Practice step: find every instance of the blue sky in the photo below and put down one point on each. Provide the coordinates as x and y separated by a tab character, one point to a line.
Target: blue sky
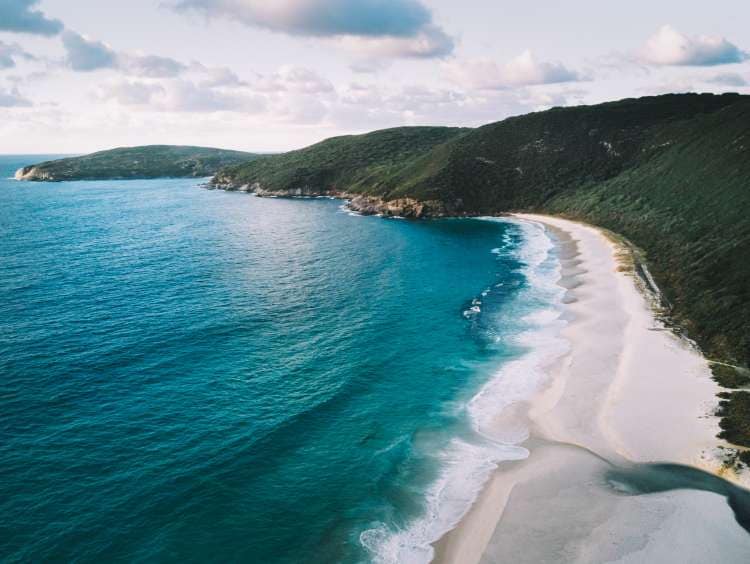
266	75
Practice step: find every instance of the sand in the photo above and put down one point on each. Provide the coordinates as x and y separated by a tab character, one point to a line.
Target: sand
628	393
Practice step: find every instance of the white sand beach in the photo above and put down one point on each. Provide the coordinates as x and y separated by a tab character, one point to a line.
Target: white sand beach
628	391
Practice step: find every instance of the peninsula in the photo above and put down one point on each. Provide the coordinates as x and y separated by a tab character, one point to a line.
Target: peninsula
151	161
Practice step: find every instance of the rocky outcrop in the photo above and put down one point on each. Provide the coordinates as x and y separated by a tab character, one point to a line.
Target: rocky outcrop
406	207
33	173
224	182
302	192
366	205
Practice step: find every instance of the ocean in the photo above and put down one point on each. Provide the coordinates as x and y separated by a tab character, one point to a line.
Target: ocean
189	375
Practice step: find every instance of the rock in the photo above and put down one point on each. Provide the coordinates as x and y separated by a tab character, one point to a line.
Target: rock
405	207
366	205
32	173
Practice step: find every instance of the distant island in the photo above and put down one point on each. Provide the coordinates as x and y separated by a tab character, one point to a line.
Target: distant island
669	173
151	161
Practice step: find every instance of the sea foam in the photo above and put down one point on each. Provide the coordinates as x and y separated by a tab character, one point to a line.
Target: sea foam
531	323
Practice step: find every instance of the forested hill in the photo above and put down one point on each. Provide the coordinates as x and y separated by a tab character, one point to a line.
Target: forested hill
351	163
513	164
150	161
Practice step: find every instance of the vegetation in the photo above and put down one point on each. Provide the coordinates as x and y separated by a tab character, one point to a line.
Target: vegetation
350	163
734	410
670	173
730	377
150	161
686	205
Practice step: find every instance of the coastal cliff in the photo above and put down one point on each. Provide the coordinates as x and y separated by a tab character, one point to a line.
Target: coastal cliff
410	208
34	173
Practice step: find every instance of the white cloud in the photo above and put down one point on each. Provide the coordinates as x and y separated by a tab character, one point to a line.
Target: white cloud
542	99
670	47
186	96
220	77
128	93
290	78
371	106
291	92
298	97
524	70
179	95
300	109
673	85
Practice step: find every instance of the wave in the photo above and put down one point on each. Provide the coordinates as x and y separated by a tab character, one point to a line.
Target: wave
531	322
465	468
344	208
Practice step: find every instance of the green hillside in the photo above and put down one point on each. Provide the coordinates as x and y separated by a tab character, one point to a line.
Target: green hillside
670	173
151	161
686	204
348	163
524	161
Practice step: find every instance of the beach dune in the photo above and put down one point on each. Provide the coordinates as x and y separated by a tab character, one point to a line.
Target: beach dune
624	462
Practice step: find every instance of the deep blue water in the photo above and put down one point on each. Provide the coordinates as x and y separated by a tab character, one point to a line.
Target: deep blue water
194	375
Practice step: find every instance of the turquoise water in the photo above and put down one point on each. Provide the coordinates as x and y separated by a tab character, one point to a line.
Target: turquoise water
194	375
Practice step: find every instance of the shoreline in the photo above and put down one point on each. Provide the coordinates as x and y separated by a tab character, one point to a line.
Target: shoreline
629	393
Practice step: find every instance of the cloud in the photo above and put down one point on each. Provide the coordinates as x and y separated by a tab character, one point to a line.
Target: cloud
290	78
430	42
301	110
292	94
220	77
12	99
9	52
130	93
729	79
670	47
537	100
84	54
373	18
150	66
20	16
374	28
524	70
365	107
186	96
675	85
87	54
180	95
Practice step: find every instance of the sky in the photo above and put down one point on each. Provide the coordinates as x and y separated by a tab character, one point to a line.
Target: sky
272	75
